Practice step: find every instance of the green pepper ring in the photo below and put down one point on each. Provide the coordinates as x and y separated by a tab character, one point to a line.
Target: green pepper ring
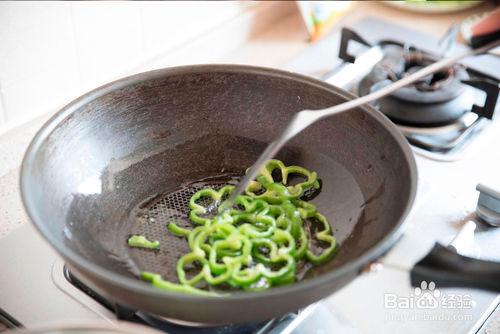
266	179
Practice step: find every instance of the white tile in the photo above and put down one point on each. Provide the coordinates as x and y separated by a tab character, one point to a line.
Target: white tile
43	91
168	25
67	49
38	65
243	33
108	39
266	46
34	36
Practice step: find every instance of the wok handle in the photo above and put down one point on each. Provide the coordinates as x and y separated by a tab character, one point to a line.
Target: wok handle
446	268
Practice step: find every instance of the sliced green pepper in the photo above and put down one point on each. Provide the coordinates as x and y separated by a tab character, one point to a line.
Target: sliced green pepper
198	210
256	243
141	241
326	236
157	281
177	230
275	190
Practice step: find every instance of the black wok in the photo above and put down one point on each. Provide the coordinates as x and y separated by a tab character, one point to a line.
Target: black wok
100	168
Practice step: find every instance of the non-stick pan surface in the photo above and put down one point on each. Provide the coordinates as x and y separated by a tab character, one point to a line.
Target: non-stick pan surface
124	158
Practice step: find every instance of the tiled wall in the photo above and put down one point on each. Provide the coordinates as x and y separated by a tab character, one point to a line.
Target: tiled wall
51	52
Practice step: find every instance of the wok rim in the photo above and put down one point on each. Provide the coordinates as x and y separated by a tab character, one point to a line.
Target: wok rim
133	284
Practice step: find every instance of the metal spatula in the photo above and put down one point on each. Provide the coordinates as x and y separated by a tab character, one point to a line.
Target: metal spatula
305	118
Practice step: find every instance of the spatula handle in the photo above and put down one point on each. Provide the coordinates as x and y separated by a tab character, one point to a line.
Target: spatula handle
481	40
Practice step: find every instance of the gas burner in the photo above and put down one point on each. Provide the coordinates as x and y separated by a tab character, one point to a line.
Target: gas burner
273	326
436	100
440	114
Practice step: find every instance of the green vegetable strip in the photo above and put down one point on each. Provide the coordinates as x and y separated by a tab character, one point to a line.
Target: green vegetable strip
141	241
158	282
255	244
177	230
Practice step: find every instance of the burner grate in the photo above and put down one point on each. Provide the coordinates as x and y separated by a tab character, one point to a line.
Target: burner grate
273	326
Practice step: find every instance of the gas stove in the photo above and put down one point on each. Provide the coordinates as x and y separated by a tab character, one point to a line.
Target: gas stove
440	115
43	291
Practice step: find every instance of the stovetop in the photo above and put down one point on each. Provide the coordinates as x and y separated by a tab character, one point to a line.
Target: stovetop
441	113
441	116
39	293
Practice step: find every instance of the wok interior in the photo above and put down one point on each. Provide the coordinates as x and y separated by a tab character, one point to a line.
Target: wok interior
153	134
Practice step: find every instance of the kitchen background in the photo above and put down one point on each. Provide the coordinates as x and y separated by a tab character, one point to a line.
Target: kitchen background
52	52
